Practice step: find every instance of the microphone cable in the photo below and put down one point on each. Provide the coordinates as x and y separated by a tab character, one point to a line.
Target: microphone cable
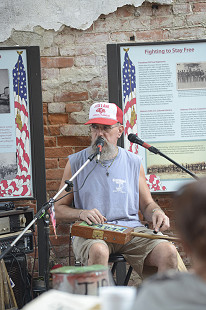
80	186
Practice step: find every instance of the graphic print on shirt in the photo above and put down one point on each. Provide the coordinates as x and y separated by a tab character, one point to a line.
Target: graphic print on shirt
119	186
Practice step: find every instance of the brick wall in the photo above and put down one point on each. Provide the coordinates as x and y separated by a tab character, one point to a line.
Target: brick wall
74	75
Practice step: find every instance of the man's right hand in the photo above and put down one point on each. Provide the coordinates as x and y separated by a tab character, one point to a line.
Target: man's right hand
92	216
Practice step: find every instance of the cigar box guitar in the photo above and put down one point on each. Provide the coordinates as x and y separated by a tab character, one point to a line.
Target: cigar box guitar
107	232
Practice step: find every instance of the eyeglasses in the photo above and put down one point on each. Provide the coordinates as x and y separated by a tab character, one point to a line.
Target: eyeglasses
105	128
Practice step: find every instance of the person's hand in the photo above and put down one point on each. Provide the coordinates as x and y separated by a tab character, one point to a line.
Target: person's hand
92	216
160	220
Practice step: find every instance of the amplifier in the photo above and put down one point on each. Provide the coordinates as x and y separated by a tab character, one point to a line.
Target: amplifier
15	220
23	246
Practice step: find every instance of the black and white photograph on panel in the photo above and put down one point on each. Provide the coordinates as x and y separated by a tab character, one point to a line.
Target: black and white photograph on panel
191	75
4	91
8	166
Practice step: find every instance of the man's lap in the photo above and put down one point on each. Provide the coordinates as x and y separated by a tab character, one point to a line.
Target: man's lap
135	251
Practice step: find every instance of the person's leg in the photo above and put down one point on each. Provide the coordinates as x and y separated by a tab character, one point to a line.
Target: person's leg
90	251
163	256
138	251
98	254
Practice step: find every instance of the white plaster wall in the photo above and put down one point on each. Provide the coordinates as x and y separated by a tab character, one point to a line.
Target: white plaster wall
23	15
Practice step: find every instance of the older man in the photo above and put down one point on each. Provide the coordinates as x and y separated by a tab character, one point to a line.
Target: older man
113	191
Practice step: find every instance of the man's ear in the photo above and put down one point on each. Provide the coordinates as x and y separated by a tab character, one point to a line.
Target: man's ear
120	130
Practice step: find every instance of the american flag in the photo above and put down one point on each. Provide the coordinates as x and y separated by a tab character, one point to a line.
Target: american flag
154	183
21	184
129	101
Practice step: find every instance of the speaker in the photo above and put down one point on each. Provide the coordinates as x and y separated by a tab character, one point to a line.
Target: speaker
17	270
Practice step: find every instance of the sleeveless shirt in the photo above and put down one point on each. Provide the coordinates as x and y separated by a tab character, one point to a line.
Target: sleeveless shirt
116	196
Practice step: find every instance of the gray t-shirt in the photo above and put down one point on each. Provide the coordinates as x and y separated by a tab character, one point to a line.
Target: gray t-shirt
116	196
172	291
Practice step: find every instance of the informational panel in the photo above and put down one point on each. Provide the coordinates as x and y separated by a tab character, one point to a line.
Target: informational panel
15	134
22	158
162	90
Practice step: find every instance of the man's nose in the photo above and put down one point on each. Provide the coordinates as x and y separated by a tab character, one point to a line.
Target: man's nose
100	131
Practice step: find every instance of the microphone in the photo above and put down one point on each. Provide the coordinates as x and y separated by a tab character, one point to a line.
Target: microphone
135	139
99	144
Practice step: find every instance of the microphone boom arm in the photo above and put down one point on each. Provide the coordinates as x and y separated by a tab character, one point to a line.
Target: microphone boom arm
135	139
178	165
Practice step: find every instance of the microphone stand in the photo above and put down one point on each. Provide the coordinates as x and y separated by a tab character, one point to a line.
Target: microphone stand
41	213
156	151
135	139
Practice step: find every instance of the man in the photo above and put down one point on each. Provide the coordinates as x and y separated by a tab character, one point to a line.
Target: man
182	290
113	190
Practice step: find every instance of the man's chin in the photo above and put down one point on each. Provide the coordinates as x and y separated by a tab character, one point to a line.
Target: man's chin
109	151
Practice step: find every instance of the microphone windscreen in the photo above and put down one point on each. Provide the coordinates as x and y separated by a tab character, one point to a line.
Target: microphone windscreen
132	137
100	141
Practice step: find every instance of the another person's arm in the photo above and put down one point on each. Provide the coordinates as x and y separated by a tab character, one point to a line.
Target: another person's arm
66	213
150	210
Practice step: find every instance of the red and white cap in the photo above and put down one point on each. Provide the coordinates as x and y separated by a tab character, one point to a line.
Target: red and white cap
105	113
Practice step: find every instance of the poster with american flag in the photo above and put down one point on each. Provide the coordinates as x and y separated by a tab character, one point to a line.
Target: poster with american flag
21	185
130	115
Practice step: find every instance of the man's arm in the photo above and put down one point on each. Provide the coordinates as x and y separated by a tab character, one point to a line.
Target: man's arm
150	210
63	207
66	213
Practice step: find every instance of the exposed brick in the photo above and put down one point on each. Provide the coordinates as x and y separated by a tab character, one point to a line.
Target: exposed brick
51	163
45	110
45	119
78	149
56	107
181	9
62	251
72	120
187	33
199	7
58	152
54	130
161	22
121	36
88	60
71	130
49	73
61	240
74	141
58	119
50	51
162	10
52	185
63	162
54	174
89	49
125	11
152	35
63	38
74	107
63	229
57	62
71	96
46	131
84	38
49	141
47	96
198	19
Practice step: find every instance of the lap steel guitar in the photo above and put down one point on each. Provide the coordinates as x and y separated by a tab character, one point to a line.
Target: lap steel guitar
107	232
112	233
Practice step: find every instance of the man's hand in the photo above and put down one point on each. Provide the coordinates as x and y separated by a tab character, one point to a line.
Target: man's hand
160	221
92	216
